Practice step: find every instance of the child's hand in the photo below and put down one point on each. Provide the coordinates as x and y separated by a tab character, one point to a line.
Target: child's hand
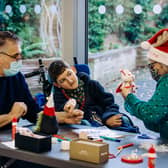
114	121
70	105
73	118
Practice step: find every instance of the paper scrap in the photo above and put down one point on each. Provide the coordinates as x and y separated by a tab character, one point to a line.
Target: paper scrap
10	144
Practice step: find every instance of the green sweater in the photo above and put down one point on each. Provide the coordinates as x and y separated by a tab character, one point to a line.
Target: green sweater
153	113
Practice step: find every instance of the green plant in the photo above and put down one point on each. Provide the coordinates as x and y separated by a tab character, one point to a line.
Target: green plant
17	20
135	27
31	47
116	46
25	25
96	26
33	50
3	16
129	27
162	20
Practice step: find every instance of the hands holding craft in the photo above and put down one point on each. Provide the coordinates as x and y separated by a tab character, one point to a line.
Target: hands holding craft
74	116
127	85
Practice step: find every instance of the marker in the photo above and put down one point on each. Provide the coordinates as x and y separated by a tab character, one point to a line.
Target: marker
144	136
125	146
111	139
61	138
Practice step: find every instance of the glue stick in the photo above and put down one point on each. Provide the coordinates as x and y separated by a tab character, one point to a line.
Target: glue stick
151	157
14	125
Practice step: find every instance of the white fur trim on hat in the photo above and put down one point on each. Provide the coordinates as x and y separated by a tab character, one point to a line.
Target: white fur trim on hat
145	45
151	155
157	55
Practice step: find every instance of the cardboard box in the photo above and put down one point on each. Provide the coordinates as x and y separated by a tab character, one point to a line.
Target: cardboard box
88	150
33	144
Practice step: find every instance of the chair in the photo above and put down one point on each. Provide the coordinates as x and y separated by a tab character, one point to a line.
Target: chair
82	68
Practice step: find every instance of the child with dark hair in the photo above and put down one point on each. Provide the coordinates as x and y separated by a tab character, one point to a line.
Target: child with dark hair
75	91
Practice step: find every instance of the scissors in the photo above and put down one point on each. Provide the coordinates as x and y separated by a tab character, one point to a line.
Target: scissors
120	148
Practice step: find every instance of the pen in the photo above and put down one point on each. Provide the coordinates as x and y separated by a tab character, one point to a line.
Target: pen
111	139
61	138
125	146
144	136
58	136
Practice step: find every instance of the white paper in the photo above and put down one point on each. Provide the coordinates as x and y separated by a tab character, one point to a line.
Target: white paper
10	144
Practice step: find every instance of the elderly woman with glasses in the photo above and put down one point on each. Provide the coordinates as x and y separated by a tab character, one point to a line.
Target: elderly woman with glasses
154	112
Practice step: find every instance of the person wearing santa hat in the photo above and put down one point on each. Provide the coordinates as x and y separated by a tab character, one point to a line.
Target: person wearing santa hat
154	113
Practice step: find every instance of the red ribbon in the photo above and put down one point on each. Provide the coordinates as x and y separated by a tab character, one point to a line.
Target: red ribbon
49	111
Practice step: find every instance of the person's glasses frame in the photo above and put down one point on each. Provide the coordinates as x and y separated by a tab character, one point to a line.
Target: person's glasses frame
14	56
151	64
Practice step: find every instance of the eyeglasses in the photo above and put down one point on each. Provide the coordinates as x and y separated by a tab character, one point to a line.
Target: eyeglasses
15	56
150	65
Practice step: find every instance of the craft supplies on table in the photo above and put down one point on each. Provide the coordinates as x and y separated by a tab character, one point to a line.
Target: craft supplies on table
129	159
120	148
14	125
88	150
111	139
61	138
133	158
65	145
36	144
96	132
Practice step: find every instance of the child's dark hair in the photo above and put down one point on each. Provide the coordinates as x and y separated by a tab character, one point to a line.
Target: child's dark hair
56	68
4	35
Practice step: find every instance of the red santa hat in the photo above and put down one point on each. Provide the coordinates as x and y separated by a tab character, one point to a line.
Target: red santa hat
158	46
49	109
47	122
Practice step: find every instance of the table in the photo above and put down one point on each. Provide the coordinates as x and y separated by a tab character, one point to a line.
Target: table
60	159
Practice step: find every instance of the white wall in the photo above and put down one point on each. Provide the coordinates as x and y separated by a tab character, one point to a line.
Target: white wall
106	66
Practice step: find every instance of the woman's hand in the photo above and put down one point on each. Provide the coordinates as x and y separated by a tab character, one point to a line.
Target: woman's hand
126	89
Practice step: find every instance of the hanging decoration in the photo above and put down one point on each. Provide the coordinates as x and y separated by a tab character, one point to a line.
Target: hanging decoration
138	9
157	9
37	9
22	9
